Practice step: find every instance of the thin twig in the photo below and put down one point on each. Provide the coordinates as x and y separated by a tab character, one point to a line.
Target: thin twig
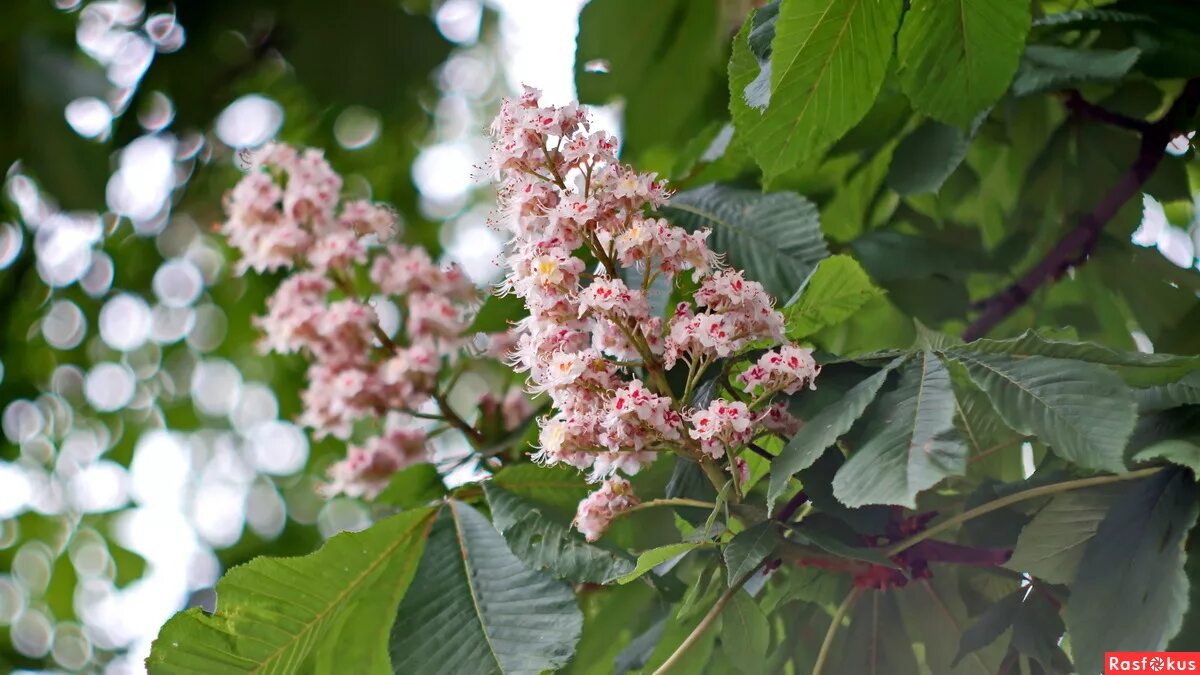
1008	500
827	643
673	501
1075	102
1074	248
704	624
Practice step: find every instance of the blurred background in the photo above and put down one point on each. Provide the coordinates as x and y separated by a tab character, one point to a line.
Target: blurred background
146	445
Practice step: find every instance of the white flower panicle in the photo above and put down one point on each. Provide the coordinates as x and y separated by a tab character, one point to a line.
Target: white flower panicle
591	342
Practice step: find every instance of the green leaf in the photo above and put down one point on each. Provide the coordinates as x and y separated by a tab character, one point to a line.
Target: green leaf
776	238
496	314
1136	367
544	543
1049	67
957	57
1163	397
823	430
834	292
1051	545
936	616
663	59
459	615
558	487
910	443
876	641
648	560
926	158
413	486
1133	569
272	613
745	634
749	548
1179	452
828	61
990	625
1083	411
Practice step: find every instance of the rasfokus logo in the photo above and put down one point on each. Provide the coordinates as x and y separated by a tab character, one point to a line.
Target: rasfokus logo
1151	662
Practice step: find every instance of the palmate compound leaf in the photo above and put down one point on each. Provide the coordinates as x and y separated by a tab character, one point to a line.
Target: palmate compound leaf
1083	411
910	443
475	608
776	237
1133	570
1051	545
749	548
542	542
274	613
823	430
957	57
828	61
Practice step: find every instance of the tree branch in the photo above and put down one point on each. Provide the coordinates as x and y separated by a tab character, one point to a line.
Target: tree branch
1074	248
1075	102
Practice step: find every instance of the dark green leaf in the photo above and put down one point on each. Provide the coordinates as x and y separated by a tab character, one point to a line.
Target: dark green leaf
1162	397
1133	569
1037	629
1049	67
823	429
544	543
749	548
745	634
834	291
1136	367
1051	545
990	625
936	617
272	613
927	157
876	640
813	98
776	238
1083	411
459	618
958	58
910	443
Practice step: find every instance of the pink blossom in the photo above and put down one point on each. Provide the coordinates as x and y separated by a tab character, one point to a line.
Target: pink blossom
597	511
369	467
787	370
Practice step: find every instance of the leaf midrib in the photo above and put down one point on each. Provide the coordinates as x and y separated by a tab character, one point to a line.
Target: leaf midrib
346	591
471	590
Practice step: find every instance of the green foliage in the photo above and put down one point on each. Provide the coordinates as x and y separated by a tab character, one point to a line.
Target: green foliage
745	634
456	618
1133	568
748	549
775	238
274	614
957	58
648	560
837	288
1052	544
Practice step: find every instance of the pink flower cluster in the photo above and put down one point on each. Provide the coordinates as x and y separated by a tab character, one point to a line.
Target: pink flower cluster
591	341
286	213
597	511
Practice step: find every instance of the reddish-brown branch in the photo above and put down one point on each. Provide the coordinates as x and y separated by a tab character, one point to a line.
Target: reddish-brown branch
1074	248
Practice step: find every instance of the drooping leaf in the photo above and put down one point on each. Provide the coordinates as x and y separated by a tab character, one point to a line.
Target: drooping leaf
875	641
1162	397
936	616
1133	569
910	443
828	61
1083	411
1050	67
745	634
823	430
613	618
834	291
544	543
926	158
648	560
1137	368
1037	630
1051	545
749	548
1181	452
958	57
458	616
990	625
776	238
273	613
